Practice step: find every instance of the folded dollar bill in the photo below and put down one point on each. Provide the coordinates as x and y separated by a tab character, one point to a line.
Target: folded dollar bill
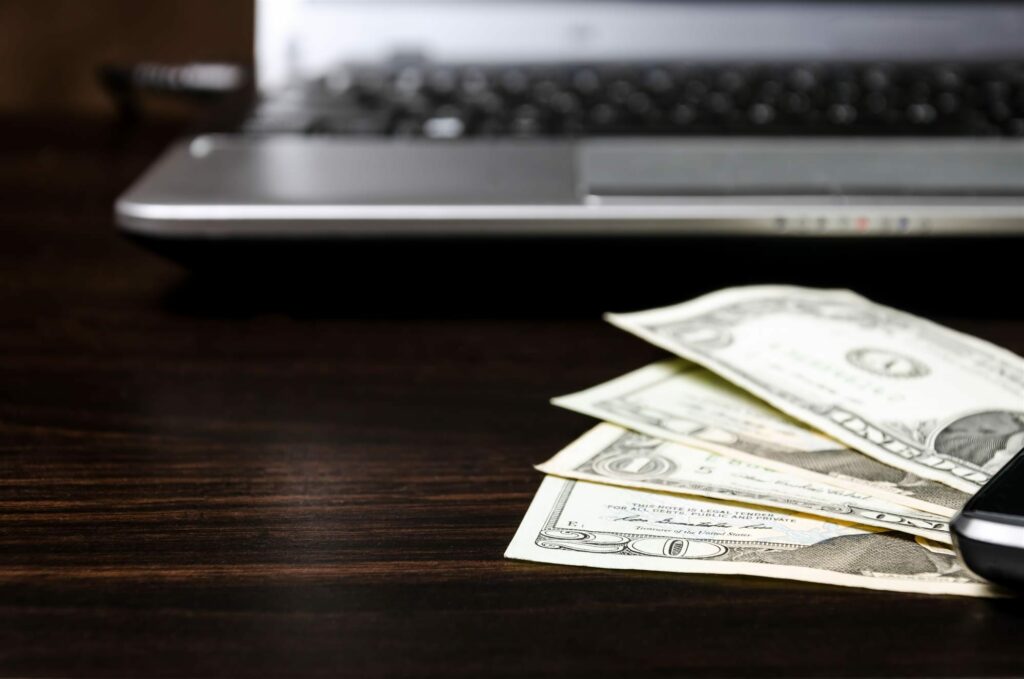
588	524
611	454
679	401
908	392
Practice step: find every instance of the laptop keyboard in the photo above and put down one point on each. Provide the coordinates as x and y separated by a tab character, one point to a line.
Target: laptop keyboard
448	102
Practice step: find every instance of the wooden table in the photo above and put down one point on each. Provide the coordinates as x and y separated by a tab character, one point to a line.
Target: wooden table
193	483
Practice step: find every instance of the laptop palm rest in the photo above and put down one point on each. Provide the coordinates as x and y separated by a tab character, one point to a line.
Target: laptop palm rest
793	167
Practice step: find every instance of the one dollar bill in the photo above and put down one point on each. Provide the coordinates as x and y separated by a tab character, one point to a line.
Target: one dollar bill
680	401
611	454
588	524
903	390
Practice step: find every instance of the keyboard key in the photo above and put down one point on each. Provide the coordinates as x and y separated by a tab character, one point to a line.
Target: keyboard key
683	115
658	81
446	127
921	114
761	114
842	114
586	81
603	115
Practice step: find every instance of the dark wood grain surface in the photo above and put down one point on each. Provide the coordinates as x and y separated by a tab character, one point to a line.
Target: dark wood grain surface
195	484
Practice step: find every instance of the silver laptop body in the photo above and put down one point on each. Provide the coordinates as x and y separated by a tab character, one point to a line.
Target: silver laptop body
292	185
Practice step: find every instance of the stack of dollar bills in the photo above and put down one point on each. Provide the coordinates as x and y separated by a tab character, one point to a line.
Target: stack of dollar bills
804	434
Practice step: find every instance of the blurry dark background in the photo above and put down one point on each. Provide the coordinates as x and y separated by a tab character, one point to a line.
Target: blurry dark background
50	49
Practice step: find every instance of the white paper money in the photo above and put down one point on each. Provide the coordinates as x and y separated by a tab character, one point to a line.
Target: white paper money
611	454
586	524
903	390
683	402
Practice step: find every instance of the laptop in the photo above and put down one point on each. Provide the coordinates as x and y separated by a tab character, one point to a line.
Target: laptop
425	119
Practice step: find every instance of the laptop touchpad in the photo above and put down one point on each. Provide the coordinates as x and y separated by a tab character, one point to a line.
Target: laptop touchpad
877	167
